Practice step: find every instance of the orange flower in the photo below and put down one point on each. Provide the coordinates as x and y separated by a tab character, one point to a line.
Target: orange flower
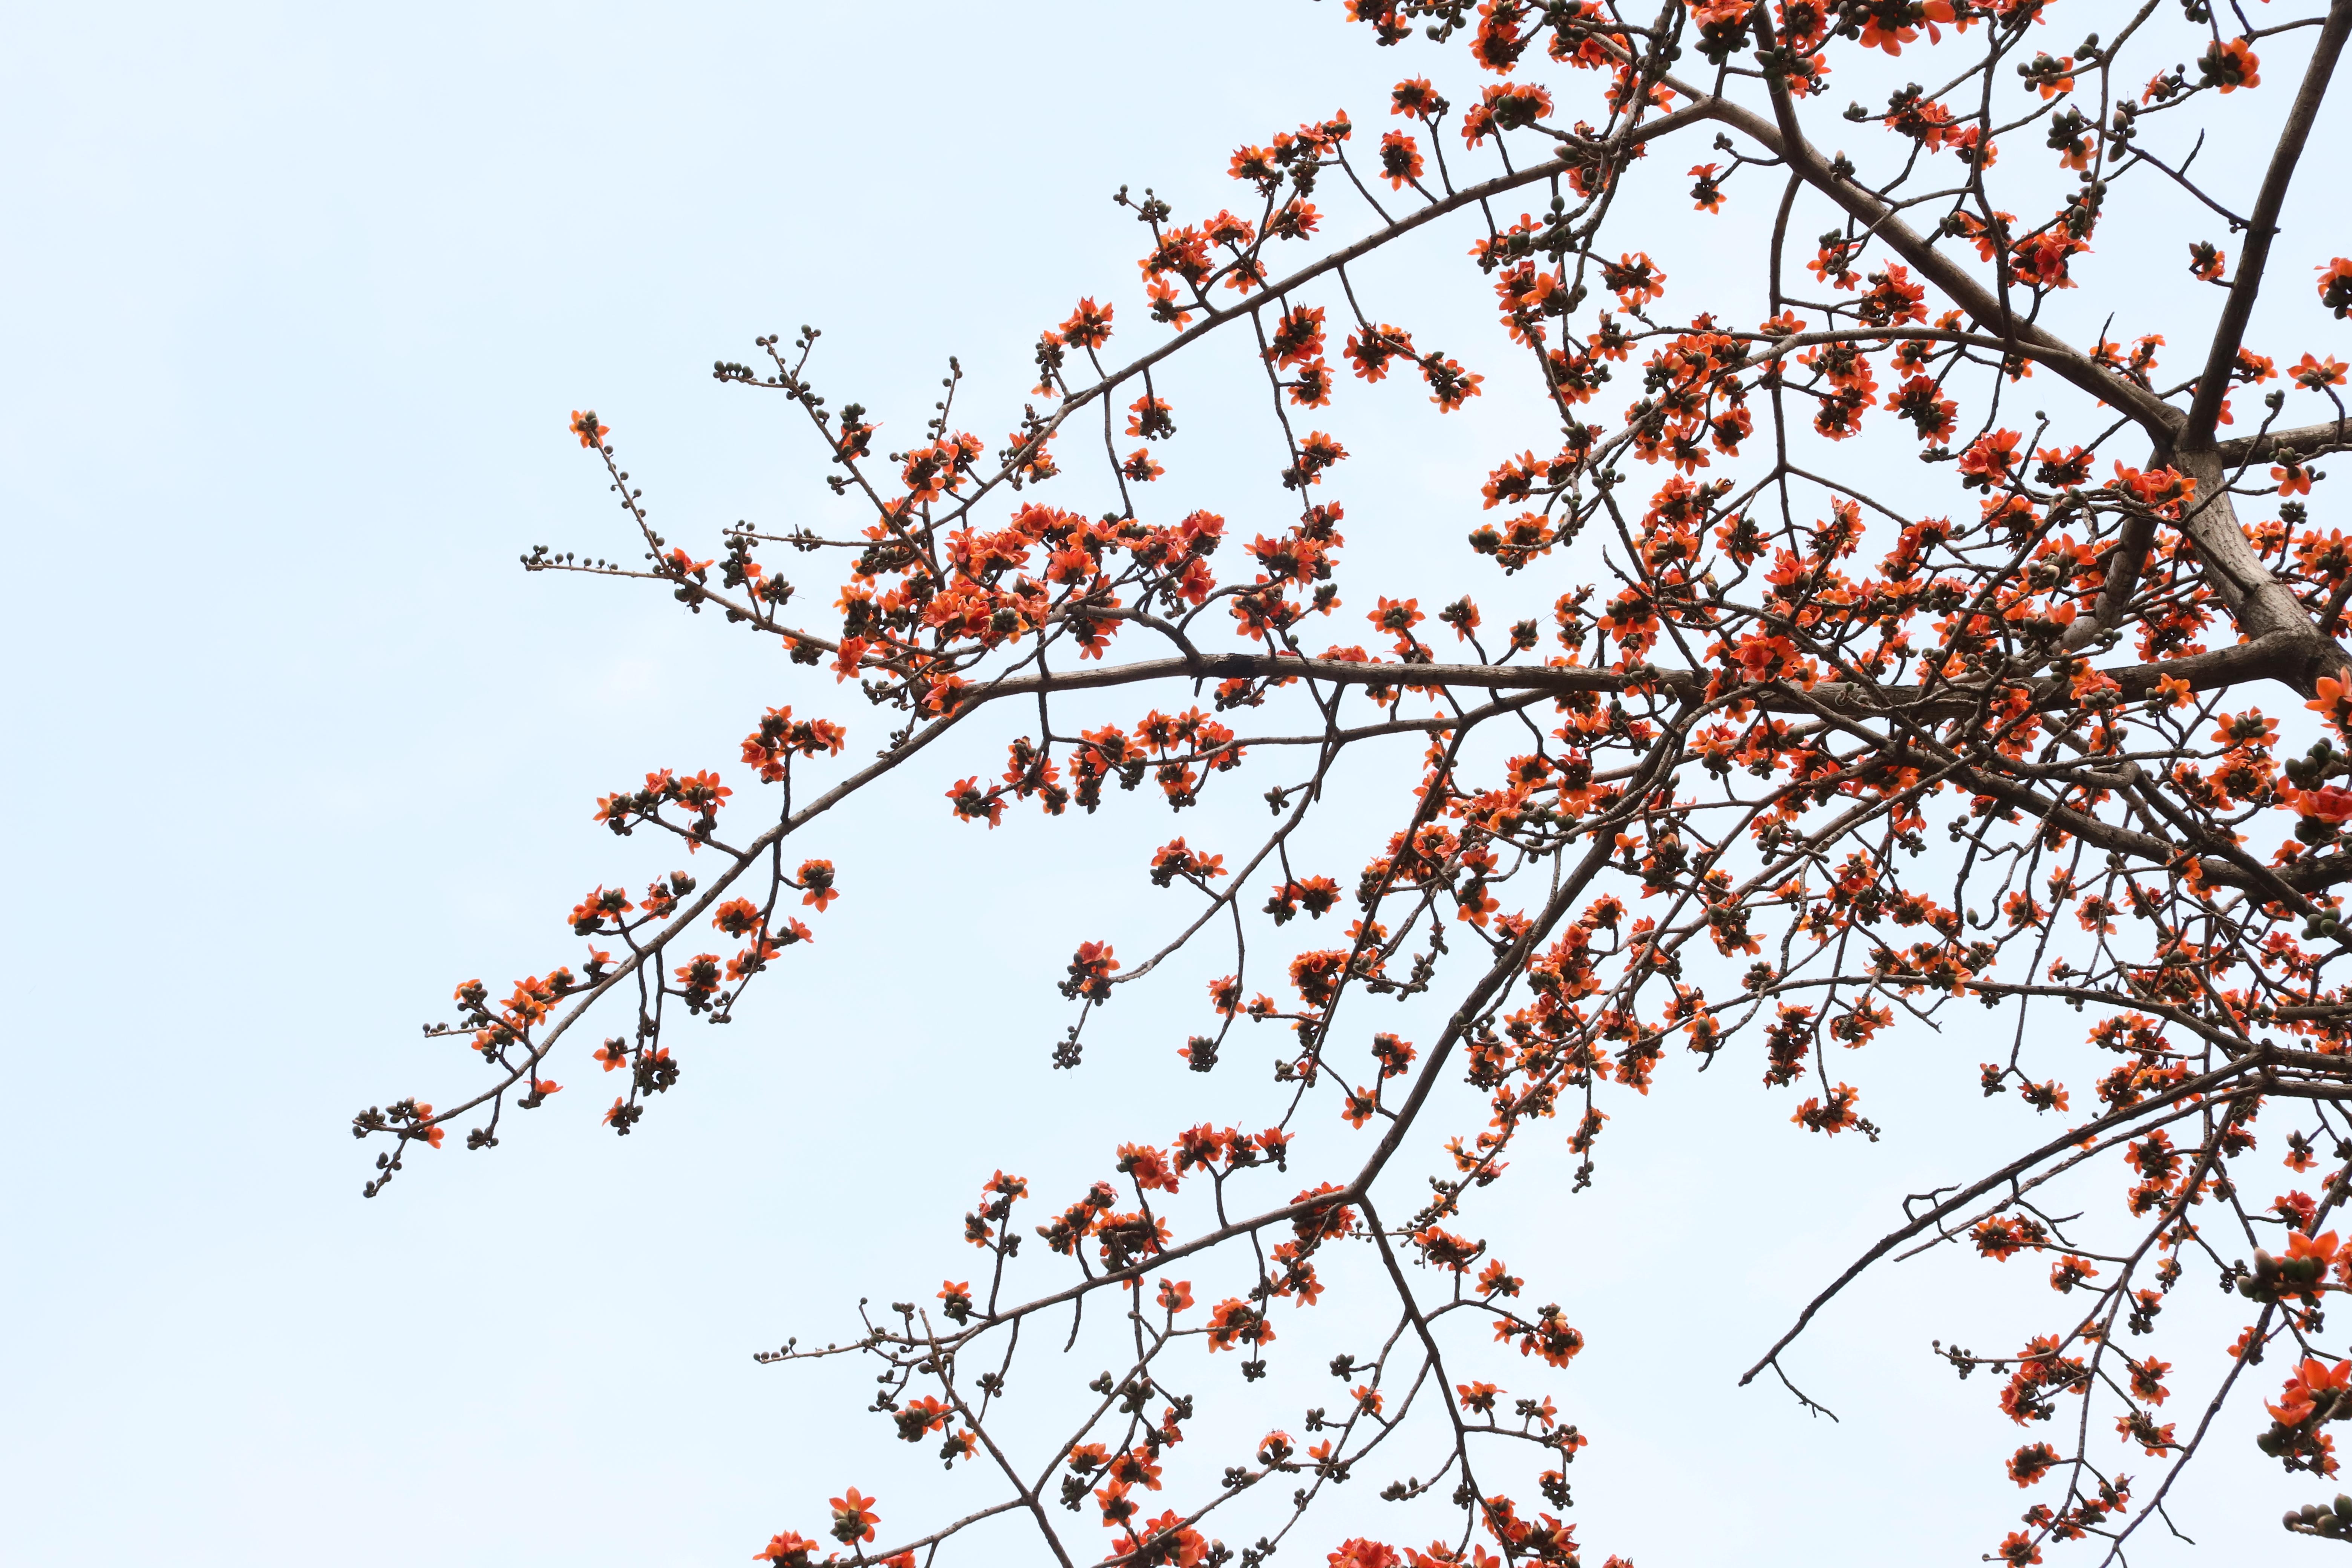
1235	1322
2248	728
816	877
2317	375
1506	106
1088	328
1891	36
2229	66
1496	1280
2329	804
1135	1469
1988	458
789	1550
2313	1379
1146	1166
1164	308
2335	286
591	433
1150	417
854	1518
2332	698
1636	278
1400	159
1707	192
970	803
2031	1463
2156	488
1413	98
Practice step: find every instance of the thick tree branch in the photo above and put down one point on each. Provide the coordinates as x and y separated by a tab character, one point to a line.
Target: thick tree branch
2303	441
2222	358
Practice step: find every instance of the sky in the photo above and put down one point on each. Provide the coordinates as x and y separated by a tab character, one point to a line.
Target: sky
299	300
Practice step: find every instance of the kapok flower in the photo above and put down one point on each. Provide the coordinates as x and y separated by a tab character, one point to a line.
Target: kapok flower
789	1550
2314	375
2229	66
2335	286
2312	1380
854	1518
2329	804
1088	328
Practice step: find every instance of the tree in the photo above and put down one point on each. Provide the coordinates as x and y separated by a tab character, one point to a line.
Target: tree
1750	669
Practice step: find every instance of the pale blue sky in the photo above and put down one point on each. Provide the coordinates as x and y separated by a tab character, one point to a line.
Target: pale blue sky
297	300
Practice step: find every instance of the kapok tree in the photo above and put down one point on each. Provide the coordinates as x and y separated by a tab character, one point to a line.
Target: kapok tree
1694	790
